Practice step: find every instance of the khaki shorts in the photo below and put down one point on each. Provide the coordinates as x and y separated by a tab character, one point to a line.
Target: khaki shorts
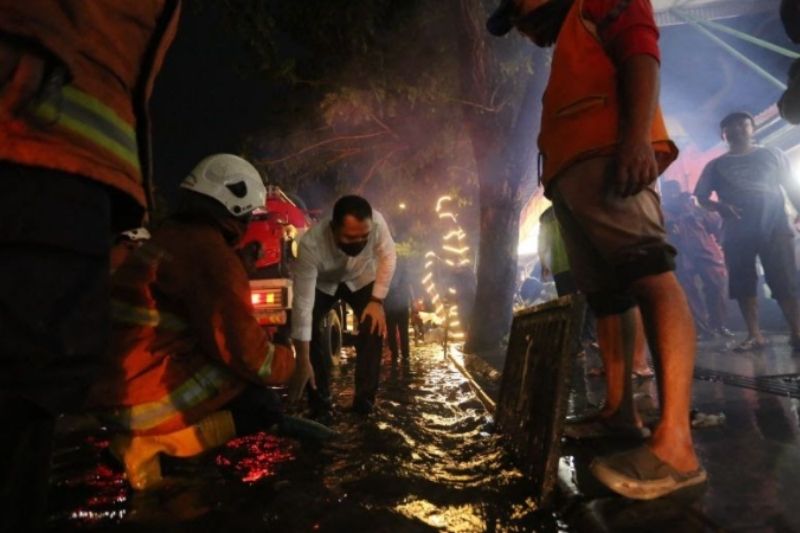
611	241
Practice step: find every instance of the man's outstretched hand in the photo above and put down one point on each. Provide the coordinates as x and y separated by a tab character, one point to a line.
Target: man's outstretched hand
303	372
374	311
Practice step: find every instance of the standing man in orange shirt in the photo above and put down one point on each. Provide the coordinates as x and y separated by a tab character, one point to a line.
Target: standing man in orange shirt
604	143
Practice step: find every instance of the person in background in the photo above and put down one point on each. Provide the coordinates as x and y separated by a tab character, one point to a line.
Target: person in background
398	305
696	232
75	165
749	182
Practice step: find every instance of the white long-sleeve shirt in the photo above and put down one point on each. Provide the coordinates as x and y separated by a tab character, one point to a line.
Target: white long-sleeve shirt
322	265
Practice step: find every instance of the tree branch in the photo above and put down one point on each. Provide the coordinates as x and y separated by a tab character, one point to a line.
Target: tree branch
376	166
320	144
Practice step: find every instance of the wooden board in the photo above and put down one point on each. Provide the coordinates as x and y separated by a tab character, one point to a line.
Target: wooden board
535	385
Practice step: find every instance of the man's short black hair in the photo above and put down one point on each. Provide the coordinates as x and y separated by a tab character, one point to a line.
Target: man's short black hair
353	205
735	117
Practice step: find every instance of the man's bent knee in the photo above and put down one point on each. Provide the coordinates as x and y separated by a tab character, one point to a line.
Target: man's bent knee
650	261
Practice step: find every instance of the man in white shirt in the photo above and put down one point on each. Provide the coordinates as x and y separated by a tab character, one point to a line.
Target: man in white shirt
348	256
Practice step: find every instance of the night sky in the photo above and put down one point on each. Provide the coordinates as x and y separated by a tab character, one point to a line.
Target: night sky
201	104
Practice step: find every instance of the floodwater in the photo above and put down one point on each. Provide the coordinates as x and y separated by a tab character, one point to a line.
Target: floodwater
423	461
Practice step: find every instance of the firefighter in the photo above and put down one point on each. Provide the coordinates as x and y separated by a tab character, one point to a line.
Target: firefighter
603	143
189	365
75	78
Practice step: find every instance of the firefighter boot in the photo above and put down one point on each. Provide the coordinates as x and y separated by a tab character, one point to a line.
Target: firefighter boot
139	454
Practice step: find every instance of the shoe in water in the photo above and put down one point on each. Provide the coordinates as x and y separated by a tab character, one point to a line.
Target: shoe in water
750	345
362	406
640	474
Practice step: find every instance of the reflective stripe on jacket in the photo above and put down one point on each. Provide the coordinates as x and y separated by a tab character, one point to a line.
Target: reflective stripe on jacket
184	339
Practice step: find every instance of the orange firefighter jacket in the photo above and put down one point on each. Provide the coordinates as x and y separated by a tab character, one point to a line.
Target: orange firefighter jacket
90	117
581	105
184	339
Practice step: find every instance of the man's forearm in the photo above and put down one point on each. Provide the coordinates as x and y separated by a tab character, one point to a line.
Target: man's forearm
639	90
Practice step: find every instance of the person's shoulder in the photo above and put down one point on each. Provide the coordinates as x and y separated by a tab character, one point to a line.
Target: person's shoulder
378	218
772	151
711	166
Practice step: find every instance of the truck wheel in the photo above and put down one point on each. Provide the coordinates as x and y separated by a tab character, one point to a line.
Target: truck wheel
332	333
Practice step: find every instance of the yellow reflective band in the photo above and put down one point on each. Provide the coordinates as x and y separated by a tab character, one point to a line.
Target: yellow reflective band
205	384
87	117
98	107
142	316
266	367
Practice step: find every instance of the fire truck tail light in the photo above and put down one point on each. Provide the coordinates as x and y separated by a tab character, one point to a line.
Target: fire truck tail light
267	298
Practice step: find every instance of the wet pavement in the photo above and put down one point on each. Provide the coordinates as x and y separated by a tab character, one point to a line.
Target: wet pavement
423	461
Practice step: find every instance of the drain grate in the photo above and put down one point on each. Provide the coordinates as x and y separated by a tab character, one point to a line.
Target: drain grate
779	384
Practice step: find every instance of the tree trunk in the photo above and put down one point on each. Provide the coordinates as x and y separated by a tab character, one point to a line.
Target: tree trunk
503	143
497	267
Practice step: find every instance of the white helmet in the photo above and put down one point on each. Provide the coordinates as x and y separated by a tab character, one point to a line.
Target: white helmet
230	180
138	234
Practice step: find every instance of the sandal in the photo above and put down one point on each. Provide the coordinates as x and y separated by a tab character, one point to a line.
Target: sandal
640	475
750	345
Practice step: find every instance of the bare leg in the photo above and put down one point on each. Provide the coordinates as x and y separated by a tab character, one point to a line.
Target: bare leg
640	365
791	312
616	335
749	309
671	335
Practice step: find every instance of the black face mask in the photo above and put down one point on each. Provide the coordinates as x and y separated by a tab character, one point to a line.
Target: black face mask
352	248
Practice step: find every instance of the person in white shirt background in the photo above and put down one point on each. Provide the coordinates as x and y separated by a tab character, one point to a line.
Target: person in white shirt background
348	256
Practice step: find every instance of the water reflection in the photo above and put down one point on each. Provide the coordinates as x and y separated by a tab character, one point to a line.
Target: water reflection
422	461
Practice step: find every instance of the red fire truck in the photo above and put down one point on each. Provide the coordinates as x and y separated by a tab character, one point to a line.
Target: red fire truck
277	229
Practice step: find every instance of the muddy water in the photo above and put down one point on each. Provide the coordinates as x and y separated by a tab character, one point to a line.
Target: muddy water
423	461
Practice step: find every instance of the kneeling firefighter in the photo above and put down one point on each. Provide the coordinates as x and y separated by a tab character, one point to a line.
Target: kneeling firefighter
189	366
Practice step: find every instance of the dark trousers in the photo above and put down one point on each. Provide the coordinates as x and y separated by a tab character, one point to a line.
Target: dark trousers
55	231
397	324
368	349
